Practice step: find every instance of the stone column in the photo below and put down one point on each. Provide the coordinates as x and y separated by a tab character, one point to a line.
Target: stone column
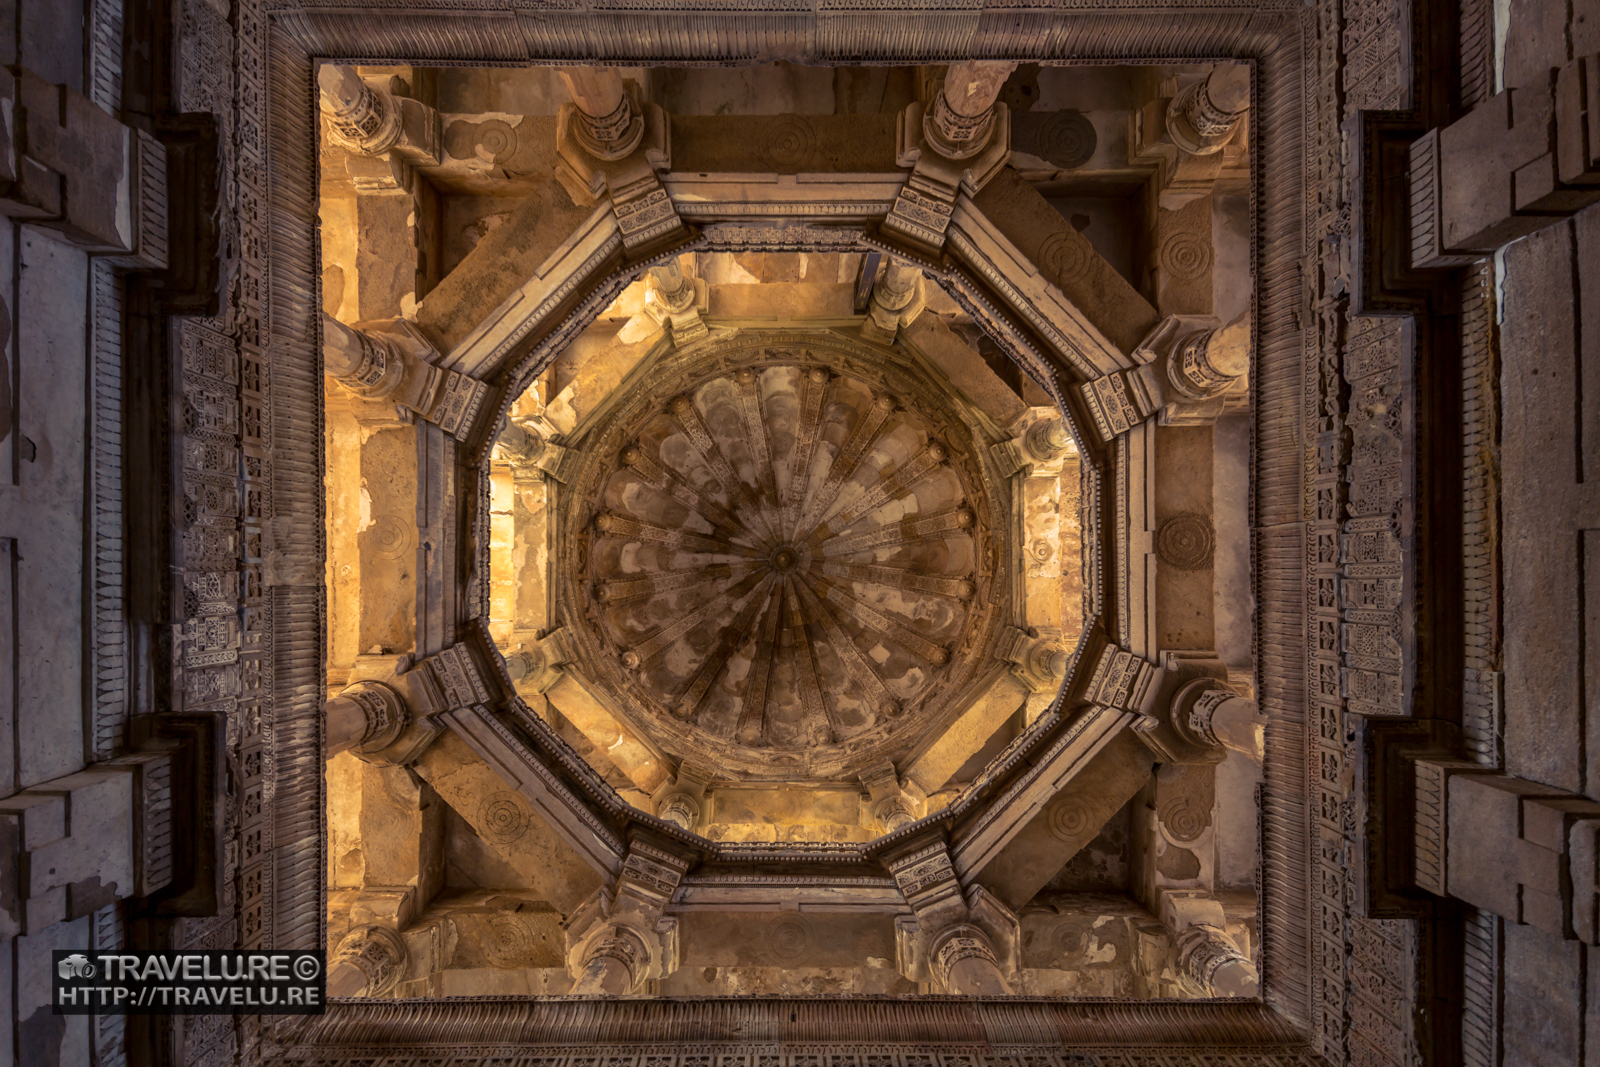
1203	117
892	802
369	962
361	118
1207	713
1213	965
676	301
1207	364
609	126
964	963
367	717
397	366
897	299
960	119
1038	659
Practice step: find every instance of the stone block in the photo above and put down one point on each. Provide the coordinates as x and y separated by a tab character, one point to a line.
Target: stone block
70	843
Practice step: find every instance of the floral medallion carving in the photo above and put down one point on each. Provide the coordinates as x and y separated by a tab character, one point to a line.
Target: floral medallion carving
785	549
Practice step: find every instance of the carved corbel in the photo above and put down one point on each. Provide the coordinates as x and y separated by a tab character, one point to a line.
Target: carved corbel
956	144
1039	446
892	802
1164	728
394	362
618	938
370	121
899	296
1037	657
681	800
536	666
1122	680
389	716
370	961
676	301
1203	117
1208	713
609	142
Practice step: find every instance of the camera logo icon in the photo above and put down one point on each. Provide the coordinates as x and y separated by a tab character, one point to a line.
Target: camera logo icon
76	965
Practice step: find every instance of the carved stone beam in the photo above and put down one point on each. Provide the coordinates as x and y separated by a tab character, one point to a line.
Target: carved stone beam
676	301
897	299
611	143
394	362
1527	852
369	121
71	168
1203	117
370	961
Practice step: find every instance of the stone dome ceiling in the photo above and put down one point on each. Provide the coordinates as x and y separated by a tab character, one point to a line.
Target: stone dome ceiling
783	552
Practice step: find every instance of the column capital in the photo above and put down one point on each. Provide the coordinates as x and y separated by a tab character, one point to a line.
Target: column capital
1212	965
370	121
960	119
393	361
617	942
898	297
676	302
1203	117
1037	657
377	953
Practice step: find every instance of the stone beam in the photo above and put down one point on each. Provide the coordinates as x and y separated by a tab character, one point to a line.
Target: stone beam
1036	831
386	834
646	768
934	766
68	166
1066	260
509	823
1527	852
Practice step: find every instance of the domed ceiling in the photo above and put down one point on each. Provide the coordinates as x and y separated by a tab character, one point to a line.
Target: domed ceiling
778	555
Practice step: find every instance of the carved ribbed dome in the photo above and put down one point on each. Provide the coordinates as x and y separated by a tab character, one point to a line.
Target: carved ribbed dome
784	561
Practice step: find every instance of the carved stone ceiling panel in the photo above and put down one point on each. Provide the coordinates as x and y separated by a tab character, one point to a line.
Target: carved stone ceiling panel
779	555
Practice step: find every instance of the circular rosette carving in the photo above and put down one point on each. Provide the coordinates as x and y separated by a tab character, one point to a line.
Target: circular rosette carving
789	938
502	818
1067	139
1186	256
392	537
1182	819
790	144
1069	819
1064	257
783	556
507	941
1186	542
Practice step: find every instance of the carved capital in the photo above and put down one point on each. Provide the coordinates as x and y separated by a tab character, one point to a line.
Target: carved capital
616	943
676	302
1203	117
961	117
386	715
393	361
1205	365
378	953
897	299
1212	965
1037	657
607	121
368	121
962	941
